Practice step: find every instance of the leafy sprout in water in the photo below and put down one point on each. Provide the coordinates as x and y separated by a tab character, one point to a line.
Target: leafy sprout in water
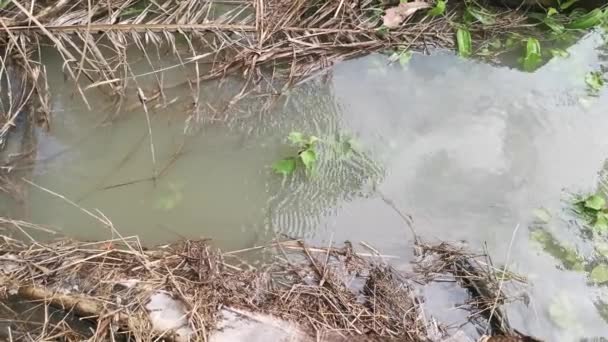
594	211
463	39
595	81
306	155
532	57
599	274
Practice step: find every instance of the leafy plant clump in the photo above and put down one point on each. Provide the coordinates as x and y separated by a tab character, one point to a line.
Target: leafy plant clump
306	155
593	210
595	82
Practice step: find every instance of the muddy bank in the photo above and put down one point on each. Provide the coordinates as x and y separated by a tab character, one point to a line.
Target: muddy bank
191	291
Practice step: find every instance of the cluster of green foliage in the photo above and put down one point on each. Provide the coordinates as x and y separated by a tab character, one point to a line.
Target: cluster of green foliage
306	155
437	10
591	210
306	152
595	81
560	25
594	211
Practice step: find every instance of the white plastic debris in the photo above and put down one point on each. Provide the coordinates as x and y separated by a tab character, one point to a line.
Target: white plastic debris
168	314
237	325
7	266
129	283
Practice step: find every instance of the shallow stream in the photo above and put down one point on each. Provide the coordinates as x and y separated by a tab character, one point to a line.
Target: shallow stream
470	151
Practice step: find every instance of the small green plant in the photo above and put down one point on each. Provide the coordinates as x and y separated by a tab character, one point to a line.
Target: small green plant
438	9
587	20
565	4
568	256
532	57
306	155
552	19
593	210
463	38
595	82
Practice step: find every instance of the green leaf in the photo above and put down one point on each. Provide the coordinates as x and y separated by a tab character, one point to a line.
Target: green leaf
285	166
438	9
595	202
533	57
568	256
567	4
296	138
601	222
3	3
554	25
594	81
587	20
309	158
602	248
481	15
599	274
463	38
551	11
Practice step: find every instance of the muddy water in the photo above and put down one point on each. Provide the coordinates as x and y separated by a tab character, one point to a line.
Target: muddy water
467	149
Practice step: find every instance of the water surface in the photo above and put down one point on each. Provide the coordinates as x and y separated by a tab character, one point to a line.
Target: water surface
469	150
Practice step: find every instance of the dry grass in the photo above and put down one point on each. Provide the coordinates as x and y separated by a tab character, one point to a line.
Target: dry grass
262	40
327	291
483	281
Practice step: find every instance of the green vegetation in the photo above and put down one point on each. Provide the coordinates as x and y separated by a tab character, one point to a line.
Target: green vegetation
599	274
306	155
533	56
595	82
463	38
568	256
555	27
438	9
592	209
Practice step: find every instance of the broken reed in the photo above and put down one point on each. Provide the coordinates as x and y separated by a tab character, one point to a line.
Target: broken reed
304	285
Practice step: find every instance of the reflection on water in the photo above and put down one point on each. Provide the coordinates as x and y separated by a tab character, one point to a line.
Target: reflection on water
467	149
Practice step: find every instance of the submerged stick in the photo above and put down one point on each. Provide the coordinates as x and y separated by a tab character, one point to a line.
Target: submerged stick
142	98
